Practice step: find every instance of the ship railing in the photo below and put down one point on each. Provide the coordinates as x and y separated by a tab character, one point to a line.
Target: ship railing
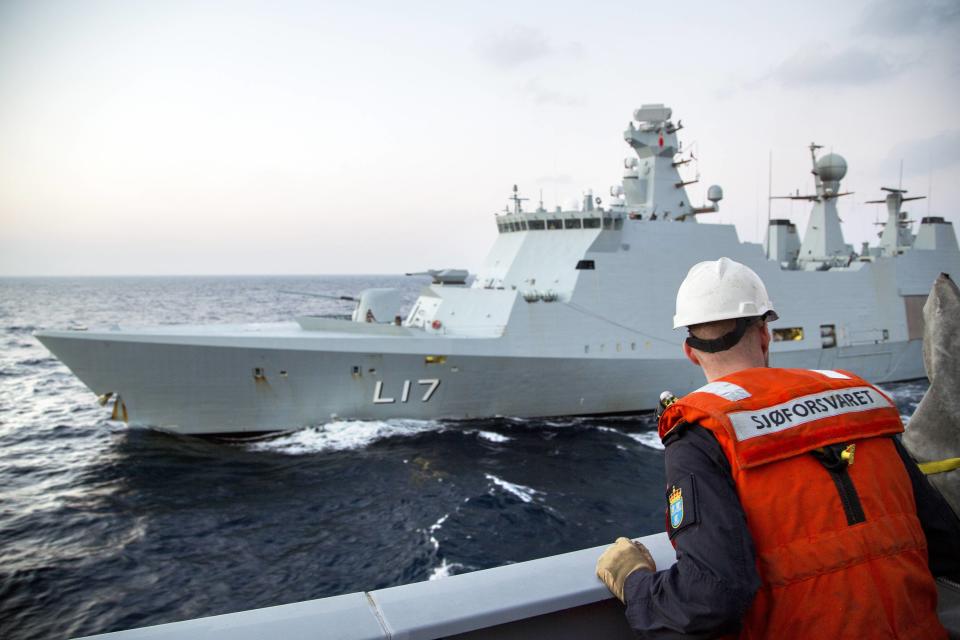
558	597
331	316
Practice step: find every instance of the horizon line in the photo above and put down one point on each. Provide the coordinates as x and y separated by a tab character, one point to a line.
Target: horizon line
200	275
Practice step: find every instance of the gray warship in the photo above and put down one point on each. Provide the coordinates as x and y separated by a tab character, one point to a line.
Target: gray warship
570	314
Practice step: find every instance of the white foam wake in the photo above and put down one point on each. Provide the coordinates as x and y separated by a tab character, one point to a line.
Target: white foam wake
434	528
646	438
343	435
444	570
492	436
526	494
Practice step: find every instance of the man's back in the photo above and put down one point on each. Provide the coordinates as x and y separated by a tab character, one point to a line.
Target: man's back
838	545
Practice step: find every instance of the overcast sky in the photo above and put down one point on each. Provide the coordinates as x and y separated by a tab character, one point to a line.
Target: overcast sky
380	137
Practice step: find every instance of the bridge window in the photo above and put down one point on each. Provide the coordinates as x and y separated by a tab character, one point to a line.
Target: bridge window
591	223
501	227
523	225
586	264
571	223
618	223
789	334
607	223
536	225
554	224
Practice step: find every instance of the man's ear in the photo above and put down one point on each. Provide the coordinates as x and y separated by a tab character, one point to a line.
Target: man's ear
764	338
690	353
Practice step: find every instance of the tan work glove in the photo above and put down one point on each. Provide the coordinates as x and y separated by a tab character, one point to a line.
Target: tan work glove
620	560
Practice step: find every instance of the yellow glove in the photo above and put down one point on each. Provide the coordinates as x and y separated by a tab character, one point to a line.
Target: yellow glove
620	560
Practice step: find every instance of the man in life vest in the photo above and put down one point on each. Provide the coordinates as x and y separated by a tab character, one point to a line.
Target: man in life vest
793	508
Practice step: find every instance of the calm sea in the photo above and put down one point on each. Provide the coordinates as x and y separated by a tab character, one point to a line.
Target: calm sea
105	528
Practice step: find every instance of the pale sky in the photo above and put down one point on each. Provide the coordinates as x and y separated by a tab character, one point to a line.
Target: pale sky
380	137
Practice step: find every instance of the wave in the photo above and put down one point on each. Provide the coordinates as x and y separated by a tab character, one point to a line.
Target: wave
21	328
492	436
439	523
646	438
526	494
609	430
343	435
432	529
36	362
562	422
444	570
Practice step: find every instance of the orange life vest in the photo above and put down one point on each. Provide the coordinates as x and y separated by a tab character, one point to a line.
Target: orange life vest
833	564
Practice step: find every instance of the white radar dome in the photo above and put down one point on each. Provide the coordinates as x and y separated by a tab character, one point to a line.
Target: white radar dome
832	167
715	193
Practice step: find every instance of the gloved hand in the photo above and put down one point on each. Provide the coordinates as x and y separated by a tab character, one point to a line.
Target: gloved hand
620	560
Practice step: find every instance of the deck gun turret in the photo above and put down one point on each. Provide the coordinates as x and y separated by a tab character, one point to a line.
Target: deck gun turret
445	276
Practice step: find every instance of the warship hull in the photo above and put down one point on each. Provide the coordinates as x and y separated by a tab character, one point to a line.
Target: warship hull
245	388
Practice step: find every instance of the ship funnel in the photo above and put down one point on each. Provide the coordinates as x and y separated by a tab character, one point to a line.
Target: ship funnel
783	243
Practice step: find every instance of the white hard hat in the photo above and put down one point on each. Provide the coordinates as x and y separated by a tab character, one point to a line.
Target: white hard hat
721	290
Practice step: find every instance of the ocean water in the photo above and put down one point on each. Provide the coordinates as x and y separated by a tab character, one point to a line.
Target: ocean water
105	528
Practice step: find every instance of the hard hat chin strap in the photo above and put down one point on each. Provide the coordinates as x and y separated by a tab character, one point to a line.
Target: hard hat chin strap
724	342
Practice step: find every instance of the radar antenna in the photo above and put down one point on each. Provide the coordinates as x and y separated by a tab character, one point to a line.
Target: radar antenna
517	200
826	177
895	235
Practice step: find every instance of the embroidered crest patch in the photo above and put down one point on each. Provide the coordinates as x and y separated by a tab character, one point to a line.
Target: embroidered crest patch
676	507
681	511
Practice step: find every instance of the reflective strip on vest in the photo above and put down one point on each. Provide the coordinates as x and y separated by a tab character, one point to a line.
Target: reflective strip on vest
836	375
726	390
804	409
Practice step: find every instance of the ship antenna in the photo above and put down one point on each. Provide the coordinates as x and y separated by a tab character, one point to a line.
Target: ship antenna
769	197
900	186
757	213
517	200
813	159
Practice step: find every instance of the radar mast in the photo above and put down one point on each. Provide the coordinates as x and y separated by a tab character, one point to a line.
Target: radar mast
823	245
896	235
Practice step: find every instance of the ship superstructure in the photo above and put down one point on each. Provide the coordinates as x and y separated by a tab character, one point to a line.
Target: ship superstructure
569	314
